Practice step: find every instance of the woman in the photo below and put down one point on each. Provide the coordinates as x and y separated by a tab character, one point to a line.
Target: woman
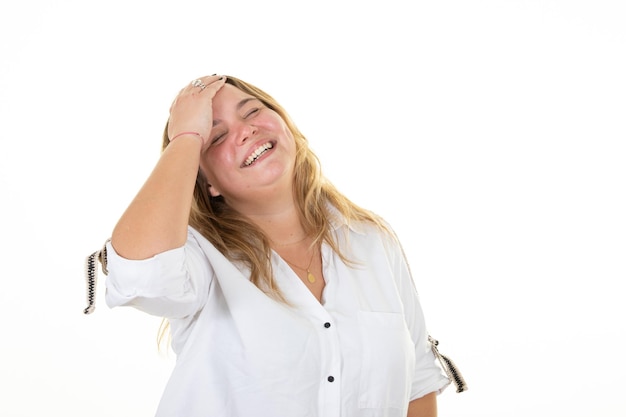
283	297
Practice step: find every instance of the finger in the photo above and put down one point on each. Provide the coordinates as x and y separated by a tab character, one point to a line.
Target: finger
213	86
198	85
214	81
202	82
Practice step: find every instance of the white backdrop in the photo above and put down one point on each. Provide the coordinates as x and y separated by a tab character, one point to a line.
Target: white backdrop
489	133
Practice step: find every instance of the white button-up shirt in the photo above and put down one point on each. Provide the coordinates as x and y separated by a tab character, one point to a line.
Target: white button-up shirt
362	352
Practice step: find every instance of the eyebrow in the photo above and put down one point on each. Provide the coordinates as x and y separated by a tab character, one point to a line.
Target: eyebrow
244	101
238	107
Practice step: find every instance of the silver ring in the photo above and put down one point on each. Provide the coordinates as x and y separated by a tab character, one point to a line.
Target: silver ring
198	83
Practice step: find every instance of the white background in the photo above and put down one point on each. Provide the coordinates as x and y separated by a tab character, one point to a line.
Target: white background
489	133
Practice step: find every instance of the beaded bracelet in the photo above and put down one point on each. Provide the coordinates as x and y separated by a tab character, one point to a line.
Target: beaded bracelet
188	133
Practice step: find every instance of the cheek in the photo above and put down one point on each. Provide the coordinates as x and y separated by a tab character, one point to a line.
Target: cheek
206	166
217	165
292	141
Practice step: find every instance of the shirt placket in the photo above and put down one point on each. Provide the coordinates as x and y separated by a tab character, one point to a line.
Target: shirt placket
330	366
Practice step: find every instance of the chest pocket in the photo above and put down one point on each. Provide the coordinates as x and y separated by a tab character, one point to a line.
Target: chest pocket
387	360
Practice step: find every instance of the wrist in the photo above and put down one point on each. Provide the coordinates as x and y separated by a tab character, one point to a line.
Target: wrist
193	134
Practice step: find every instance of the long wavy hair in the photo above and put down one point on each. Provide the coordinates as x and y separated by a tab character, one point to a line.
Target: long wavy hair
240	240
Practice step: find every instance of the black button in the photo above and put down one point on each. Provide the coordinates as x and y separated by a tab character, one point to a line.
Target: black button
327	325
331	378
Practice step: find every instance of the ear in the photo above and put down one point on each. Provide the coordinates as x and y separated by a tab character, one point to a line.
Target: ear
213	191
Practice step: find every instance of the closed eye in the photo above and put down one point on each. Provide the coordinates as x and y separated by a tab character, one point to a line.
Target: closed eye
218	138
251	112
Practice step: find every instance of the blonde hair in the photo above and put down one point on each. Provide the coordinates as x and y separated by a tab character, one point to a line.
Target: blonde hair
240	240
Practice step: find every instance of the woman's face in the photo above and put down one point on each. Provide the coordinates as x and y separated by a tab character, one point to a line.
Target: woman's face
250	151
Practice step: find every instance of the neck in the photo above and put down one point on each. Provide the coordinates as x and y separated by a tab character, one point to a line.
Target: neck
274	210
282	227
277	216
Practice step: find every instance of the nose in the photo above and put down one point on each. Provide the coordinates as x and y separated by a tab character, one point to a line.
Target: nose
246	131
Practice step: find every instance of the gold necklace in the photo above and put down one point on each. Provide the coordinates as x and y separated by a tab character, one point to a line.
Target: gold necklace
290	243
309	275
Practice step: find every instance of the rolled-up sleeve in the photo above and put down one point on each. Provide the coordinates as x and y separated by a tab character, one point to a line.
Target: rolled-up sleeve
427	375
171	284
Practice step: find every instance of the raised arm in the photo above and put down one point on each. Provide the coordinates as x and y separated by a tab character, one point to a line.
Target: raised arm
157	218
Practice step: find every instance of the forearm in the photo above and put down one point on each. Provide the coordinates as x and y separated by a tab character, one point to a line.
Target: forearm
423	407
157	218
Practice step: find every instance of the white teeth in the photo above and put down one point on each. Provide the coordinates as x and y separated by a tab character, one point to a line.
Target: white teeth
258	152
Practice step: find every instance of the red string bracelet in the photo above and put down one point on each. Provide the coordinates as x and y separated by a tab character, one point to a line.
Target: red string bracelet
188	133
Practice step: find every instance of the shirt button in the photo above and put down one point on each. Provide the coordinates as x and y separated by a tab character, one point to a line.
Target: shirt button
327	325
331	378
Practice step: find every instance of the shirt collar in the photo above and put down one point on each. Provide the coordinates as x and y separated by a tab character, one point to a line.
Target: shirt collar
338	221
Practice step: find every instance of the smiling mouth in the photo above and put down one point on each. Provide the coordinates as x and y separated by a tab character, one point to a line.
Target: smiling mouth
257	153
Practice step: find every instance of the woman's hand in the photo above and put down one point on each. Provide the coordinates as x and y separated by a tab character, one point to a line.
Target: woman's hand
192	109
